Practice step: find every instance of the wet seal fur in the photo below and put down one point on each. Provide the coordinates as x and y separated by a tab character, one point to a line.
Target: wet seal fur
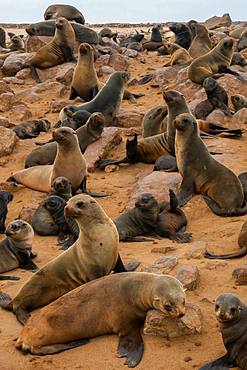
66	11
93	255
113	304
16	248
231	314
202	174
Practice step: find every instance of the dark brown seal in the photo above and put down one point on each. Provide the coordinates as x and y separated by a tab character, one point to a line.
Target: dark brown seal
17	43
113	304
57	51
5	198
153	121
31	129
238	101
183	34
231	314
66	11
202	174
86	134
16	248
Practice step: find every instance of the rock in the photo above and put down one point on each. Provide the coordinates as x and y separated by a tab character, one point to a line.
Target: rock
101	148
163	76
163	265
5	88
232	85
216	22
7	141
57	105
196	250
28	95
14	63
24	73
130	53
66	78
217	37
127	119
118	62
217	116
188	275
163	250
34	43
182	75
111	168
13	80
158	183
103	60
10	186
4	122
240	118
240	275
6	101
21	112
26	214
107	69
61	73
159	324
59	88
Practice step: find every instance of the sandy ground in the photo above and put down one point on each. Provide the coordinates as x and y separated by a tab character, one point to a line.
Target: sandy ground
218	234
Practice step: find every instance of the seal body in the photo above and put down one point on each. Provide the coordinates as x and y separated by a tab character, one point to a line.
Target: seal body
183	34
238	101
67	11
115	304
31	129
211	63
5	198
68	156
201	43
178	54
153	121
202	174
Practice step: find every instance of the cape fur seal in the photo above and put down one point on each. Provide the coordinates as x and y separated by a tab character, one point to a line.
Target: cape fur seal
94	254
68	158
115	304
215	61
66	11
2	38
238	101
231	314
16	248
31	129
86	134
57	51
107	101
17	43
201	43
178	56
82	33
153	121
183	34
202	174
5	198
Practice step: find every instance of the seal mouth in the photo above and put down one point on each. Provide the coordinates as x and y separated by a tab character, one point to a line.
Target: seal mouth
71	212
179	125
169	95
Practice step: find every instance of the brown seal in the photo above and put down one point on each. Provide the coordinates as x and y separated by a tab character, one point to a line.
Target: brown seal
107	101
202	174
86	134
68	158
153	121
94	254
16	248
17	43
2	38
30	129
113	304
183	34
231	314
238	101
57	51
5	198
238	59
66	11
215	61
201	43
178	54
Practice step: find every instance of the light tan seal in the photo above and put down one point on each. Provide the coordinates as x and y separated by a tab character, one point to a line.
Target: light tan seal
178	54
16	248
115	304
201	43
213	62
57	51
202	174
69	162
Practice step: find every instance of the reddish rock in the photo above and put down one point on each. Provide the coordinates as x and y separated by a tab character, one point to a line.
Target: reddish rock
61	73
66	77
14	63
101	148
4	122
216	22
188	275
118	62
10	186
59	88
240	118
24	73
6	101
7	141
107	69
111	168
217	116
163	250
127	119
13	80
5	88
21	112
57	105
159	324
163	265
163	76
240	275
26	214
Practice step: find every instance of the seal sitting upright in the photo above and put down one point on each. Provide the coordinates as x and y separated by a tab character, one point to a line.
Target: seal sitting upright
115	304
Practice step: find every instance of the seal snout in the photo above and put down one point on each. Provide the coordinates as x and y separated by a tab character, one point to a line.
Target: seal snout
84	48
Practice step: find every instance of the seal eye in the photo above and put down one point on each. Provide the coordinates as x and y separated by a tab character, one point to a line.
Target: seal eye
217	307
233	310
80	204
168	307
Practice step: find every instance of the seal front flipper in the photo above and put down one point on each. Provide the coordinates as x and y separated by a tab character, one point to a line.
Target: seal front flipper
7	277
6	301
119	267
186	191
68	54
56	348
25	261
132	347
35	75
222	363
73	93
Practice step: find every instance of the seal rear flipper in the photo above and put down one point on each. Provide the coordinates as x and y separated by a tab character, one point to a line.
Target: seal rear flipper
119	267
30	266
7	277
35	75
56	348
83	187
6	301
241	253
222	363
22	315
144	80
24	258
73	94
131	346
215	208
228	70
133	239
178	237
102	163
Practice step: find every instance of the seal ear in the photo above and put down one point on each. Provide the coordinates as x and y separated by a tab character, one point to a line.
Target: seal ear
156	298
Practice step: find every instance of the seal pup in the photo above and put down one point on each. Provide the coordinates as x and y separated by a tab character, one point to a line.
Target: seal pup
202	174
86	134
201	43
178	56
61	187
107	101
5	198
74	120
16	248
17	43
183	34
113	304
94	254
238	59
231	314
57	51
66	11
31	129
155	41
238	101
215	61
68	156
